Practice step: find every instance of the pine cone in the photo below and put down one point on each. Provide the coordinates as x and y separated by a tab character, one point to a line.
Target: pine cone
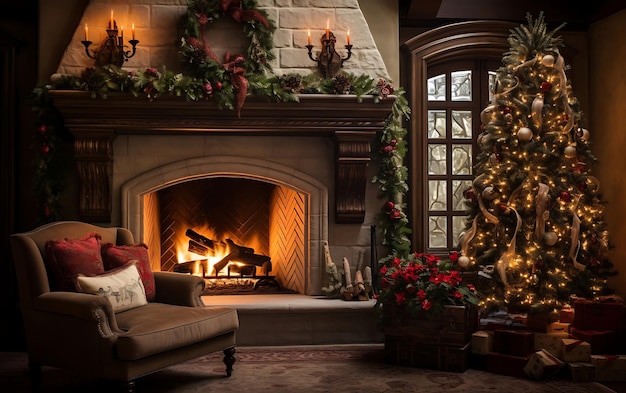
342	84
292	83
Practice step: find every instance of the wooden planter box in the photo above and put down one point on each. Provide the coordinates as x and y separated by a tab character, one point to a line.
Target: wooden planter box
403	352
454	327
441	343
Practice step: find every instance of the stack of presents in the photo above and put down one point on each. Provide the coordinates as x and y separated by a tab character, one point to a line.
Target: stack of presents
584	342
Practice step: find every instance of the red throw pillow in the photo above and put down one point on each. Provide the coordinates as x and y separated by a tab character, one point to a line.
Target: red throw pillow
116	256
68	258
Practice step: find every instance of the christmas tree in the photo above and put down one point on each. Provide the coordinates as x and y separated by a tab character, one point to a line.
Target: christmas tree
535	230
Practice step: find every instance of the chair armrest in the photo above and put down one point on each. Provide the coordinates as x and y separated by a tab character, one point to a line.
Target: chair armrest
179	288
80	305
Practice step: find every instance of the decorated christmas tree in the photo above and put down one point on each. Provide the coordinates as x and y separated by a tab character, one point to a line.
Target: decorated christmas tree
535	230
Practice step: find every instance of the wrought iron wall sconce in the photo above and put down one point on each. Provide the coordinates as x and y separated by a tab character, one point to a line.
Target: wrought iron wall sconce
329	61
112	50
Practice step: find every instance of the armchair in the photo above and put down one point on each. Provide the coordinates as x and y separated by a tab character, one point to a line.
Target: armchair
83	333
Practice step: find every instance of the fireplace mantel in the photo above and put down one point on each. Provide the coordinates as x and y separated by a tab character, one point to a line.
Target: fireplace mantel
96	122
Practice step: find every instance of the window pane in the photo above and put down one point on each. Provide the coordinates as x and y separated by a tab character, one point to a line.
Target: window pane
437	232
461	159
458	200
437	88
436	124
458	226
461	85
462	124
437	195
492	85
436	159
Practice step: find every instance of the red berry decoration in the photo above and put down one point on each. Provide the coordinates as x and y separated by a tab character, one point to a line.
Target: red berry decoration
218	85
389	206
565	196
546	87
469	193
395	214
393	142
388	149
582	186
506	110
42	129
208	88
44	149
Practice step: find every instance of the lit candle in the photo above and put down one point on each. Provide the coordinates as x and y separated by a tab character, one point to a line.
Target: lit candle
309	36
111	22
348	37
327	29
86	32
132	30
122	32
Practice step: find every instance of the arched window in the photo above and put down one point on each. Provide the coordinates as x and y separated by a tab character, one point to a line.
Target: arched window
448	72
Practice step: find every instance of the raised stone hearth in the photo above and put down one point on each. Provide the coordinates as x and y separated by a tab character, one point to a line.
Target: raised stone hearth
288	319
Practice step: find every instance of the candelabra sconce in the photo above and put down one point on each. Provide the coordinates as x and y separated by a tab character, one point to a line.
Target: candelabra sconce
329	61
112	50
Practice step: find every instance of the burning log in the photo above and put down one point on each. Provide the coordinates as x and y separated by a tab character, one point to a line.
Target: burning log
244	255
197	248
201	241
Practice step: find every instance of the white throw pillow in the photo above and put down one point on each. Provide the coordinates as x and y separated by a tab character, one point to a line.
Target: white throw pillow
123	287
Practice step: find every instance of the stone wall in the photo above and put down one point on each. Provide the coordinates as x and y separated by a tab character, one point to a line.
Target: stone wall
156	29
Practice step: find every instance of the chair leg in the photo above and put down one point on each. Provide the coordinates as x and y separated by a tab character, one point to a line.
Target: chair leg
129	387
229	360
35	374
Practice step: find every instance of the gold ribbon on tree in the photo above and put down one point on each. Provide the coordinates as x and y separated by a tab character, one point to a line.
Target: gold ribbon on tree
542	211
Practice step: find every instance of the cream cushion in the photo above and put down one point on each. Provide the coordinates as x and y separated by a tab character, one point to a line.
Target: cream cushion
122	287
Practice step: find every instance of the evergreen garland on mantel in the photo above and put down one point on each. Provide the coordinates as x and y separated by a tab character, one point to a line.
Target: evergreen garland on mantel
227	83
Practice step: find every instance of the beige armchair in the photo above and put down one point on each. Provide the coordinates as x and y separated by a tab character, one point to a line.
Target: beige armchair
81	332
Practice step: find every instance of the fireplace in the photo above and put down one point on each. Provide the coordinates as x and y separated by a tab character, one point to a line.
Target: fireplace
313	156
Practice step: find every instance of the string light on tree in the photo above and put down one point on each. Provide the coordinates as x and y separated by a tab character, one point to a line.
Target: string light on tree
532	209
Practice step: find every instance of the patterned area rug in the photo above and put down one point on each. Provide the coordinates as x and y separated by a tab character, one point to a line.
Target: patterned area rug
352	368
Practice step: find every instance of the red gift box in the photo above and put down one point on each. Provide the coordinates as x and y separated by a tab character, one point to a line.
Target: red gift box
514	342
590	315
601	341
513	366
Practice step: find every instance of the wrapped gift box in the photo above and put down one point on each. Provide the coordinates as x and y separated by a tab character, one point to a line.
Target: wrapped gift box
601	341
513	342
550	342
566	314
482	342
582	371
539	321
590	315
573	350
542	364
609	368
558	327
513	366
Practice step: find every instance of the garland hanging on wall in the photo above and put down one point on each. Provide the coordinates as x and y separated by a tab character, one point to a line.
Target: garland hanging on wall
206	77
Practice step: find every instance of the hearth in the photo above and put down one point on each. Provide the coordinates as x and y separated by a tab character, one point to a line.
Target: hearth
313	154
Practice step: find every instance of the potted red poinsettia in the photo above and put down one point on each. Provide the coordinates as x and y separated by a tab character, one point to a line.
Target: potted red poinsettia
424	284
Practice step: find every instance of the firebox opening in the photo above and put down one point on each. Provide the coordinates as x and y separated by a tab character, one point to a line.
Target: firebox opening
236	227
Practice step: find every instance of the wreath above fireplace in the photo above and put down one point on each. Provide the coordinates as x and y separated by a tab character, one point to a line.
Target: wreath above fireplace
226	78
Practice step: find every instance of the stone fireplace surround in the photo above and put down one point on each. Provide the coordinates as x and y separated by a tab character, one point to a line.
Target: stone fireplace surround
126	147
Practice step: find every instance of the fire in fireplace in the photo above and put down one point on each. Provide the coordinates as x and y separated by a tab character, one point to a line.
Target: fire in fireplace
228	227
